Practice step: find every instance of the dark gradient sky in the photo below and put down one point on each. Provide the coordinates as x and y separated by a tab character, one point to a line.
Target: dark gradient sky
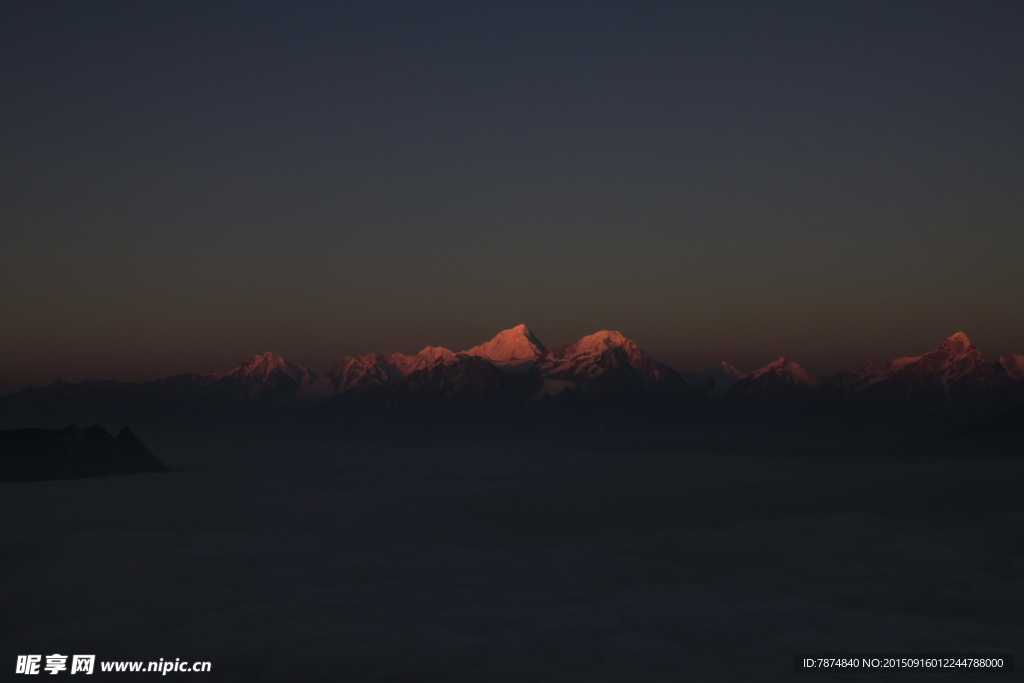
184	184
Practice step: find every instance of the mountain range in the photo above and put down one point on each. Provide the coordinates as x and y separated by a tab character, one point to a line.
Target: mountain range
604	375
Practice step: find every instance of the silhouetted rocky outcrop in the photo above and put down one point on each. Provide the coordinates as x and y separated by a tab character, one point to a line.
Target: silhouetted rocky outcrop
72	453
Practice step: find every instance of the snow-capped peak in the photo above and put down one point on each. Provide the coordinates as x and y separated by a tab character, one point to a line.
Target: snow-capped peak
264	359
603	338
957	344
775	365
1013	365
601	353
515	344
263	366
433	354
377	369
730	370
265	372
956	358
788	369
428	357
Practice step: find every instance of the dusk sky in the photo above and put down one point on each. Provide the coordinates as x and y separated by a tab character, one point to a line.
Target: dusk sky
184	184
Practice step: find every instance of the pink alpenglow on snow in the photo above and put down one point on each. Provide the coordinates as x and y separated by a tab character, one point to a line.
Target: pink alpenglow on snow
515	344
377	369
265	367
787	370
1013	365
599	354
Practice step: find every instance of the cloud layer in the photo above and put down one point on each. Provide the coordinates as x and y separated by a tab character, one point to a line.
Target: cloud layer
508	565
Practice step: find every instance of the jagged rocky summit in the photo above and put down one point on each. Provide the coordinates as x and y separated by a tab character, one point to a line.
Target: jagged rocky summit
72	453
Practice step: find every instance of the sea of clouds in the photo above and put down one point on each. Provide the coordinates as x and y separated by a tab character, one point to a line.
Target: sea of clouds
490	564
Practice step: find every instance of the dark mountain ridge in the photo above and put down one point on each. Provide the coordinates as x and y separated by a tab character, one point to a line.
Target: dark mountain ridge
72	453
